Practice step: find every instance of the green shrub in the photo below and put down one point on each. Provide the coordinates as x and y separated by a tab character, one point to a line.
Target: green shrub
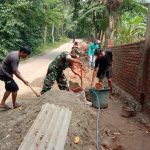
3	52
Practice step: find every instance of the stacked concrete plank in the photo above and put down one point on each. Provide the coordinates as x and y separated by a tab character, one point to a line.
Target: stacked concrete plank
49	130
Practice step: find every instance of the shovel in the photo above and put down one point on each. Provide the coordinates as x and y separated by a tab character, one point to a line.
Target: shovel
81	78
34	91
78	89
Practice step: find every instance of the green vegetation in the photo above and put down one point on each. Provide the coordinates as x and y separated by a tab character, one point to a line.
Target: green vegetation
30	22
38	23
131	28
123	21
49	46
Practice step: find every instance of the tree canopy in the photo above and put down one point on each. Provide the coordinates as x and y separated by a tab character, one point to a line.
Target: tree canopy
121	20
29	22
35	22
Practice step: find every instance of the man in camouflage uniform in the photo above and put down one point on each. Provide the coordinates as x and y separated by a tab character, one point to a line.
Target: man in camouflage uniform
55	70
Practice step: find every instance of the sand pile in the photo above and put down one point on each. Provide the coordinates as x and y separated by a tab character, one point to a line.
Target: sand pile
15	124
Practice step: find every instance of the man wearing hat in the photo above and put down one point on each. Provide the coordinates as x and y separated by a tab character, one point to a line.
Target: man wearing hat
55	70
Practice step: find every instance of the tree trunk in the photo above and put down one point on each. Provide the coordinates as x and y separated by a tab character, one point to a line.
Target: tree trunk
107	36
102	37
53	38
94	24
62	30
99	34
45	35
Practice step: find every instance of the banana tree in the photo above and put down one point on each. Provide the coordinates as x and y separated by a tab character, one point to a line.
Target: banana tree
131	28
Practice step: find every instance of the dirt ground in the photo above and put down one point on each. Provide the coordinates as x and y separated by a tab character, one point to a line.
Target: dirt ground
116	132
16	123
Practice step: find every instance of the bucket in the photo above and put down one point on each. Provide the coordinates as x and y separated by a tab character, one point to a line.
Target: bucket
103	95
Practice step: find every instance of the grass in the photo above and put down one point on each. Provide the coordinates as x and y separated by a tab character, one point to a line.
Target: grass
48	46
43	48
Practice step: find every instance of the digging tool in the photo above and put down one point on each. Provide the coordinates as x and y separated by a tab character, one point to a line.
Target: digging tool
81	78
34	91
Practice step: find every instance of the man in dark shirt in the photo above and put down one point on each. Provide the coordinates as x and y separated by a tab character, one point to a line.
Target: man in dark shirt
103	67
7	69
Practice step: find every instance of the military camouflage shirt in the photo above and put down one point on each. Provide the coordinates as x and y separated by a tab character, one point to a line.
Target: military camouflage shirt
61	62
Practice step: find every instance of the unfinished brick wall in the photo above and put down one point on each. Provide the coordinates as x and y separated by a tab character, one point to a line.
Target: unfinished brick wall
127	69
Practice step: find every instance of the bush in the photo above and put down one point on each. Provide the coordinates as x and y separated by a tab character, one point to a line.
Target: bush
3	52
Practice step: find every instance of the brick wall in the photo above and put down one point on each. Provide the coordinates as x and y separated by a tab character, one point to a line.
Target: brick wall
148	84
127	69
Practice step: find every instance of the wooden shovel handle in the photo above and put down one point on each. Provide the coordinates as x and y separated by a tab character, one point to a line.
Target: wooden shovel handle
81	78
34	91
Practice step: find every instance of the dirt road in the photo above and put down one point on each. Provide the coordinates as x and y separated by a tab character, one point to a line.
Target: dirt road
34	69
116	132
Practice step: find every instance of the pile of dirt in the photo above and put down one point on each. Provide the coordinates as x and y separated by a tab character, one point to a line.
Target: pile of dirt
15	124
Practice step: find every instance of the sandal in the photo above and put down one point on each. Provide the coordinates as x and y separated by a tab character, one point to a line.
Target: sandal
17	105
4	107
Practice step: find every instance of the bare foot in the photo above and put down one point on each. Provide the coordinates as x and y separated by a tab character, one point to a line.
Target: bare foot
88	103
110	97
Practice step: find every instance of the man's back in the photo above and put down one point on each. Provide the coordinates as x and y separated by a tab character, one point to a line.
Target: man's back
105	62
60	62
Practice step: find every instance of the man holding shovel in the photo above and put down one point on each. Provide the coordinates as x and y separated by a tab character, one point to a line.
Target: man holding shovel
55	70
7	69
103	67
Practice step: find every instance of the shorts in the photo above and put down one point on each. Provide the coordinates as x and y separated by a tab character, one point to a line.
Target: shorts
10	84
104	73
